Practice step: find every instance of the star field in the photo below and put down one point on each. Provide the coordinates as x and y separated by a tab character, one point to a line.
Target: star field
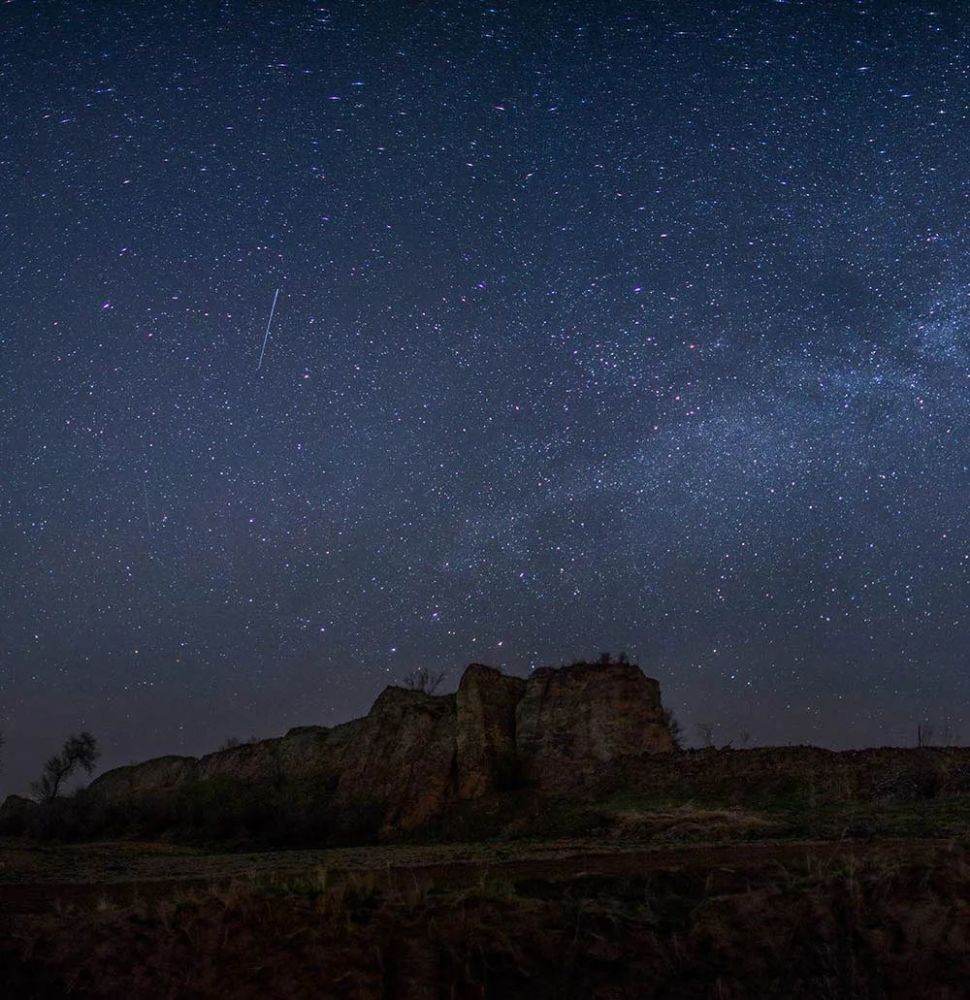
612	326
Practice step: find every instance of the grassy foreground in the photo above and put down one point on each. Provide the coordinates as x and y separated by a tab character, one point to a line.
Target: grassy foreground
779	874
782	919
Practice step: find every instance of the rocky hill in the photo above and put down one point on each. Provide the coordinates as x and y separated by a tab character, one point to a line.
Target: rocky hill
414	753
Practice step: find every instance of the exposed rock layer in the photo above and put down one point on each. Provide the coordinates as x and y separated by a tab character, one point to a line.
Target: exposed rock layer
414	752
878	775
568	721
485	738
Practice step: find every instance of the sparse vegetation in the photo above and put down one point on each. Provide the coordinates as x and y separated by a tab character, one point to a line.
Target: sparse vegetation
423	679
221	811
927	735
605	659
807	926
234	741
674	728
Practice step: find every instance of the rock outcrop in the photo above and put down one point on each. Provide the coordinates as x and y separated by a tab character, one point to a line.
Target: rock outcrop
163	774
402	756
574	718
486	734
414	753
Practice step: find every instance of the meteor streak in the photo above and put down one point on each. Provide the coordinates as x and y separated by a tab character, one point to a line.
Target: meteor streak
269	323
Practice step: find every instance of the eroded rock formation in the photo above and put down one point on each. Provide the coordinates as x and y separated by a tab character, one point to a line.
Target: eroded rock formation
401	756
571	719
485	735
414	753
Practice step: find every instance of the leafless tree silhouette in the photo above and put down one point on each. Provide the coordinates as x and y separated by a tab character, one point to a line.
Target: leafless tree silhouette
423	679
79	751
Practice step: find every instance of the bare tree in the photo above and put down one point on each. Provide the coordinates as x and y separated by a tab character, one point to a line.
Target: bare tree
744	737
928	735
949	737
79	751
675	729
706	729
423	679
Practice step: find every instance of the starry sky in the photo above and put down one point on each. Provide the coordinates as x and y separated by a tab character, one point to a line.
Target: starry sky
621	326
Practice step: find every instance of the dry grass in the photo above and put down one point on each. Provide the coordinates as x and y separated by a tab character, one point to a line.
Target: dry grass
690	824
867	921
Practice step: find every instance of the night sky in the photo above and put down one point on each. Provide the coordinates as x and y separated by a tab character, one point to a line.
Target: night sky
638	327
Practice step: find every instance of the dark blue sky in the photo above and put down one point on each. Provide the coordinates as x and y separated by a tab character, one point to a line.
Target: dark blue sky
627	326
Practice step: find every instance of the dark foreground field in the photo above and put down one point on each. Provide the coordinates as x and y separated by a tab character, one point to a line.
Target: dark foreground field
812	919
730	875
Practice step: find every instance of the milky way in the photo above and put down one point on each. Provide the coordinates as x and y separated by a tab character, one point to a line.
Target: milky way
601	326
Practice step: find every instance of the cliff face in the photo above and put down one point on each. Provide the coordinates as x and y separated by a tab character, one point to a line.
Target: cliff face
401	756
572	719
485	737
413	753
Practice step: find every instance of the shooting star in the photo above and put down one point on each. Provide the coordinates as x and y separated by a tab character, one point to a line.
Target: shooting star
148	513
269	323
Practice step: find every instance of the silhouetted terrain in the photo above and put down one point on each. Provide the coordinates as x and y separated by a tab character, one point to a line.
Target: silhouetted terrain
528	838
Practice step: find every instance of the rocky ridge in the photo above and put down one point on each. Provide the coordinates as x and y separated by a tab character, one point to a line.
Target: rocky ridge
415	753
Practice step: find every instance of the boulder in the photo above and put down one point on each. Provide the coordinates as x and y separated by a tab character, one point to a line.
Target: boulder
485	737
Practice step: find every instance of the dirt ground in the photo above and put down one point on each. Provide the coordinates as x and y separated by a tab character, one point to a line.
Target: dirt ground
34	879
